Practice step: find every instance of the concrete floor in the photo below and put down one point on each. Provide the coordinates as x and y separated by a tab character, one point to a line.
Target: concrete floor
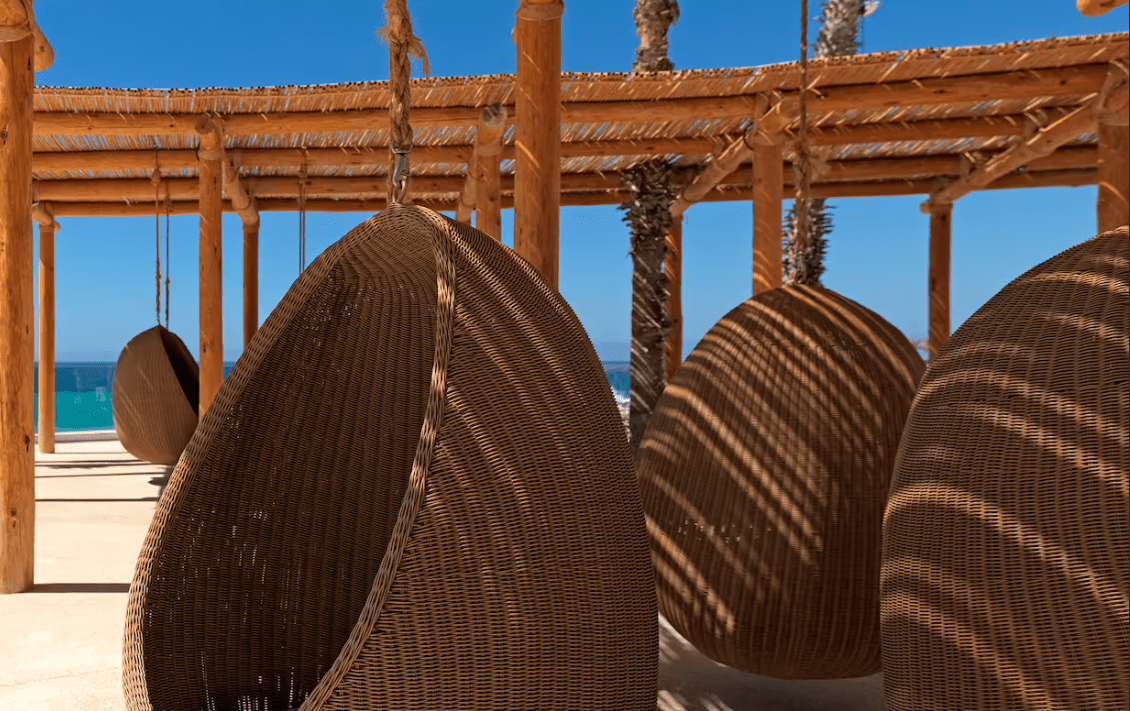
61	643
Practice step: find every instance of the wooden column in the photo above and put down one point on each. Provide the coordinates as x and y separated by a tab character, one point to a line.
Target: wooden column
537	138
768	193
250	280
211	156
673	269
1114	176
939	285
485	171
17	314
47	229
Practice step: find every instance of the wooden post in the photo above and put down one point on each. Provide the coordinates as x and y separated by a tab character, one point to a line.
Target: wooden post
17	315
47	230
211	156
250	280
485	171
939	277
673	269
768	193
537	137
1114	176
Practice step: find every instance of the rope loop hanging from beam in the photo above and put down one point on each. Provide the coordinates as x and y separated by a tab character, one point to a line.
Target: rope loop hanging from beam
404	45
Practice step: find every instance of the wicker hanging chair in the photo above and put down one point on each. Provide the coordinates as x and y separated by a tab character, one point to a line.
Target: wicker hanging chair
155	396
764	473
405	495
1005	540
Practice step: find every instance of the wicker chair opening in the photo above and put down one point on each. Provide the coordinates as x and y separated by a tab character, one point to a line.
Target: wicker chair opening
412	491
1005	539
156	396
764	474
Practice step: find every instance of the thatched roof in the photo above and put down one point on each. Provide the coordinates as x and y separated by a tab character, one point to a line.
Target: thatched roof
888	123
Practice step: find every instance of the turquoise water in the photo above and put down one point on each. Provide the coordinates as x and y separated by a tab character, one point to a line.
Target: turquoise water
83	393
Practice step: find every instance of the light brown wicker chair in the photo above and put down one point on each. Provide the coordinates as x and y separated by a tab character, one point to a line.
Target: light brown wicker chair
412	492
1005	541
764	473
155	396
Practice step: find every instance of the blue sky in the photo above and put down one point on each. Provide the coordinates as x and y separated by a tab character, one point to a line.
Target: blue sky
877	253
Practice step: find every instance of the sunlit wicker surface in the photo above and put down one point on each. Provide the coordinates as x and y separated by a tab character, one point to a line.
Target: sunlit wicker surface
1005	541
156	390
764	474
354	528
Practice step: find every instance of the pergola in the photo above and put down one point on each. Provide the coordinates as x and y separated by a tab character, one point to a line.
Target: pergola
936	122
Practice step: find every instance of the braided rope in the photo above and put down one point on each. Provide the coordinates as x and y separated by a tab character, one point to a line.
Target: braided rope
156	180
168	258
804	154
403	45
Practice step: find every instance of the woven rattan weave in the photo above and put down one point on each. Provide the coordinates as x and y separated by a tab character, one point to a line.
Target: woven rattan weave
155	395
412	492
1005	540
764	474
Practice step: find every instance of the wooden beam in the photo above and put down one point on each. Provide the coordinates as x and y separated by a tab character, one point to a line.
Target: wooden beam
237	193
1114	153
250	280
1114	176
713	173
14	15
47	230
1078	80
487	179
1044	142
17	318
768	193
939	278
347	157
1094	8
673	270
537	136
211	262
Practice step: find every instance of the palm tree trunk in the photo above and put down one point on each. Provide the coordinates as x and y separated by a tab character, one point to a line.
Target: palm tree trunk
839	32
648	214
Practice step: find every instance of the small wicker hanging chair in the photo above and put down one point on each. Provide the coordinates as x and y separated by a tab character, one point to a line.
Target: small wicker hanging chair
764	473
413	491
155	396
1005	539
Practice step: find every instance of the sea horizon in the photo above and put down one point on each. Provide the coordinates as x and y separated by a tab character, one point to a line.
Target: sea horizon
84	392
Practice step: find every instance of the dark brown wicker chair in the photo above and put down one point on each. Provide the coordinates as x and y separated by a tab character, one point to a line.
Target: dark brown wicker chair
155	396
1005	540
412	492
764	474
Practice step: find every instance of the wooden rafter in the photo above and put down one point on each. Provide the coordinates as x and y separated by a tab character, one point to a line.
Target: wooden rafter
715	171
1044	142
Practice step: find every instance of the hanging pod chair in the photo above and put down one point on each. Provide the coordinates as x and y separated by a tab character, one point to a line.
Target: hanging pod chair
764	473
413	491
1005	539
155	396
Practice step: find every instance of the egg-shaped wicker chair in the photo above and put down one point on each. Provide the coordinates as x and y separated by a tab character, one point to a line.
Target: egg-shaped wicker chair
764	474
155	396
1005	539
413	491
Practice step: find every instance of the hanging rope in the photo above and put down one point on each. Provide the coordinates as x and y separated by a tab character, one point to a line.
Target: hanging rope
302	215
156	179
804	155
403	47
168	259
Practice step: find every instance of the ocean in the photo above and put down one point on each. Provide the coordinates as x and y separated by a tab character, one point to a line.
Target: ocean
83	393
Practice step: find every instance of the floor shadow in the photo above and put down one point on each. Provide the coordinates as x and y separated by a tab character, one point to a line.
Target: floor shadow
92	464
80	588
95	501
83	476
